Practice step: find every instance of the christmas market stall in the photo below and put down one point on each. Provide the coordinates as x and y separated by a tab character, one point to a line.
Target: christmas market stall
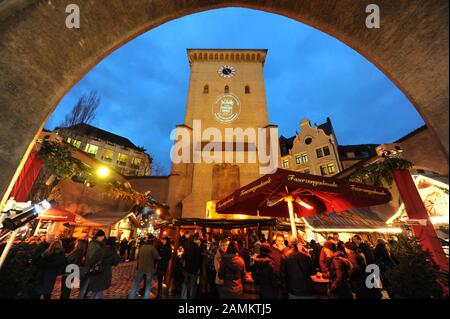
296	195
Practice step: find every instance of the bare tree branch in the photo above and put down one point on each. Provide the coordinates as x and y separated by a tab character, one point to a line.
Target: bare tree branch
84	111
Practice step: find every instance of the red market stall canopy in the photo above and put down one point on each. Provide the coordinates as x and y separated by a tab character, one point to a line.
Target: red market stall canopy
60	215
305	194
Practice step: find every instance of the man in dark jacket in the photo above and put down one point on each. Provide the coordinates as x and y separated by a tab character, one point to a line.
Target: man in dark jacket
263	273
192	263
358	274
277	251
165	251
296	271
148	255
365	249
102	281
210	267
94	257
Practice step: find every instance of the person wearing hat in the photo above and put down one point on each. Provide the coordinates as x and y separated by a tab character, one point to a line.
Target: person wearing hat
264	273
326	257
358	273
93	262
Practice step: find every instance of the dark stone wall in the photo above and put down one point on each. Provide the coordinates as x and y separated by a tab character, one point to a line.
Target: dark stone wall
40	59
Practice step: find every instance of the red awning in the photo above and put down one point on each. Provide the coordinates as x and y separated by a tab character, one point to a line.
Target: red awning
60	215
312	195
22	187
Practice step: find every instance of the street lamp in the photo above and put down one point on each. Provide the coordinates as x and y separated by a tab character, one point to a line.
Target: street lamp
103	171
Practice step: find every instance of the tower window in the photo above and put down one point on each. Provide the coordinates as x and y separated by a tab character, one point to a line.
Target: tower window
227	89
206	89
247	89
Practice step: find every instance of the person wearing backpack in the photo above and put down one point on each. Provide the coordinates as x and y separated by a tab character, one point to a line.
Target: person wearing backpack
296	271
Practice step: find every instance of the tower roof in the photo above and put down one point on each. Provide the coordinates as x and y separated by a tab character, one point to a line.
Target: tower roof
227	55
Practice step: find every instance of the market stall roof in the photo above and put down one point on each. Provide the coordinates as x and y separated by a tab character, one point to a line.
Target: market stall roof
360	218
228	223
106	218
310	195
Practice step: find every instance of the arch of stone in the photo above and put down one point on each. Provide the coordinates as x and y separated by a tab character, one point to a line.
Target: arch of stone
41	59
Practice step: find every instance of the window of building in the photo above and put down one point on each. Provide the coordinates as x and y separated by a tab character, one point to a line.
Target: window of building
247	89
285	163
319	153
122	159
206	89
227	89
326	151
91	149
108	155
69	140
308	140
328	169
136	162
306	171
301	158
331	169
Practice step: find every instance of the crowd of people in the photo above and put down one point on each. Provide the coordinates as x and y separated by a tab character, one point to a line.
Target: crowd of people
283	269
221	265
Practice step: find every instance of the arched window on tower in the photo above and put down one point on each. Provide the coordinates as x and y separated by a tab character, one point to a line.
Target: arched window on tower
227	89
206	89
247	89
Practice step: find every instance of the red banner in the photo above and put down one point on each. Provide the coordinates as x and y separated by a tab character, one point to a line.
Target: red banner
415	209
27	177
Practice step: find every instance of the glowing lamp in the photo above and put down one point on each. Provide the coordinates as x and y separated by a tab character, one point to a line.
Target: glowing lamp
304	204
103	171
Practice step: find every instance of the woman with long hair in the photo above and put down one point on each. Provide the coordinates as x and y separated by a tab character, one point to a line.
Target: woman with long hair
50	265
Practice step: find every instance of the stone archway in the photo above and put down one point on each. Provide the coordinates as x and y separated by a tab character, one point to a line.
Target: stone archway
40	59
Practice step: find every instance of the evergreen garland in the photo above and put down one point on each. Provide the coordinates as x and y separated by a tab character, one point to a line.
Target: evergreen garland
379	172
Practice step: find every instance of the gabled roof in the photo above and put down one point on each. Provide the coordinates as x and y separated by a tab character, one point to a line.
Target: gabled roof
92	131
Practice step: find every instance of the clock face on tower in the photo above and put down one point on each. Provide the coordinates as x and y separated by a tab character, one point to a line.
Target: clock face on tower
226	71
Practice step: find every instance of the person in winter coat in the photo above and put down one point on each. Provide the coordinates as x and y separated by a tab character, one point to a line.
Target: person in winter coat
123	247
264	274
339	272
232	272
50	266
326	256
147	257
358	275
102	281
385	261
165	251
210	267
93	262
192	263
365	249
296	271
277	251
74	257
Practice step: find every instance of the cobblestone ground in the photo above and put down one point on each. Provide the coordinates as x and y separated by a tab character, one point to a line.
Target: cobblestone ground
123	279
122	282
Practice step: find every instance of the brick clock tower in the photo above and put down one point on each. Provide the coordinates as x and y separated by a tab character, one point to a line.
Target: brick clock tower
226	90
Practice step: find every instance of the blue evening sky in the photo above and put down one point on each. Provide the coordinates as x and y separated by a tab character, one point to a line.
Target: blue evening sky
308	74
